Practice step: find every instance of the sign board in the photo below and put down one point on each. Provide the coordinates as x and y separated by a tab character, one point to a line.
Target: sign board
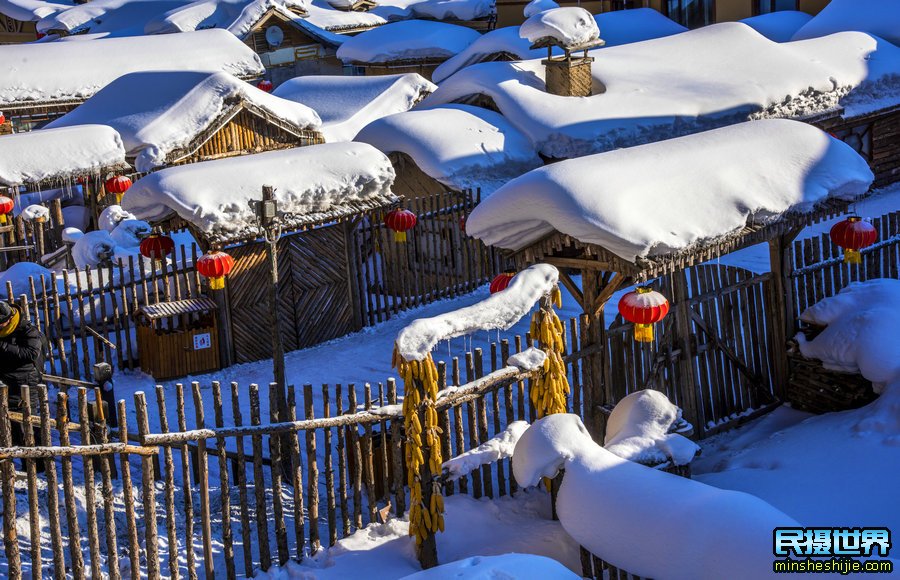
202	341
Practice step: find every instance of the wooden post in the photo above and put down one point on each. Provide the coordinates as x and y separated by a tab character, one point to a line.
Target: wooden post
59	559
62	425
134	547
687	383
10	536
33	514
148	490
205	525
779	306
593	327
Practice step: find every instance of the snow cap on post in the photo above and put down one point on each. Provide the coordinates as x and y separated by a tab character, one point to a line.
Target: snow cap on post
499	312
570	28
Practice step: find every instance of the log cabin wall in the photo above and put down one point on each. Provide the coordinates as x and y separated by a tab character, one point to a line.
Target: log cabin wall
876	137
411	182
14	31
246	133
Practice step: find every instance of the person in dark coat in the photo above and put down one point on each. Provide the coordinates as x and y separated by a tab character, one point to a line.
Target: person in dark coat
21	359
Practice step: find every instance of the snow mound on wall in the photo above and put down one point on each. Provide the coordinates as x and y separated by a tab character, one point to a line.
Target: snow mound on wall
213	195
129	233
643	201
111	216
411	39
529	359
33	212
18	275
505	567
494	449
638	430
861	330
347	104
93	248
59	153
686	83
459	145
778	26
569	27
498	312
655	524
877	17
157	113
70	70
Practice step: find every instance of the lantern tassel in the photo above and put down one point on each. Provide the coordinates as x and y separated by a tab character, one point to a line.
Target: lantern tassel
3	218
217	283
119	198
400	237
852	257
643	332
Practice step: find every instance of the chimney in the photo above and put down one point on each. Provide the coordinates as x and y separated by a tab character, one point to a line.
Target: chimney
570	75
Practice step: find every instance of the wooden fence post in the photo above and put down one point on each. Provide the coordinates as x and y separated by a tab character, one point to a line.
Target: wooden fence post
687	383
10	536
205	525
62	424
148	490
134	546
59	558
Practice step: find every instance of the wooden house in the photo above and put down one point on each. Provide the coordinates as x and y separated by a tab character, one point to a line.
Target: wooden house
41	168
418	46
722	351
174	118
323	192
47	80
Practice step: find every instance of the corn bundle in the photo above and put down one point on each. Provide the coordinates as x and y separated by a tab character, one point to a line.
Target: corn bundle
549	390
421	389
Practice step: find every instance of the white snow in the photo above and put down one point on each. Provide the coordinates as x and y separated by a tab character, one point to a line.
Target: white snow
618	27
18	275
500	311
684	83
459	145
454	9
308	181
60	71
324	16
59	154
861	322
106	18
529	359
638	430
30	10
877	17
658	525
235	16
92	248
111	216
778	26
347	104
505	567
537	6
33	212
158	113
664	197
494	449
411	39
571	26
129	233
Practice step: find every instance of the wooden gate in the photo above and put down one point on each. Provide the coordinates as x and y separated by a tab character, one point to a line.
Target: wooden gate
314	295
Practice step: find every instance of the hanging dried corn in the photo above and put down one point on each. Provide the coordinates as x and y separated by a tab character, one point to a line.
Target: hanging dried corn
550	389
423	451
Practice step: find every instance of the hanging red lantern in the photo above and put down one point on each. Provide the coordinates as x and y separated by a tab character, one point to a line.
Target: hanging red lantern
265	85
501	281
157	246
215	265
462	224
6	206
644	307
118	185
2	118
400	220
853	234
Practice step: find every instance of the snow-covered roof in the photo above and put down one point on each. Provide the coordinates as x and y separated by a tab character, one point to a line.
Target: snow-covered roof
616	27
459	145
568	27
878	17
31	10
110	18
325	16
347	104
58	154
407	40
779	26
160	114
66	71
313	184
671	196
713	76
236	16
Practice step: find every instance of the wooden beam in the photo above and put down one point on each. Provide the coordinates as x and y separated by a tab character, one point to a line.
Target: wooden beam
577	263
573	288
607	291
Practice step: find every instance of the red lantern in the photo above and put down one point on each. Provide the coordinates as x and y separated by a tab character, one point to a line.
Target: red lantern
2	118
265	85
118	185
156	246
6	206
400	220
853	234
501	281
462	224
644	307
215	265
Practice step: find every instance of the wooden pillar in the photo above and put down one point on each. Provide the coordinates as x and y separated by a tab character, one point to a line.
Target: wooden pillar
687	382
779	307
593	332
352	263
